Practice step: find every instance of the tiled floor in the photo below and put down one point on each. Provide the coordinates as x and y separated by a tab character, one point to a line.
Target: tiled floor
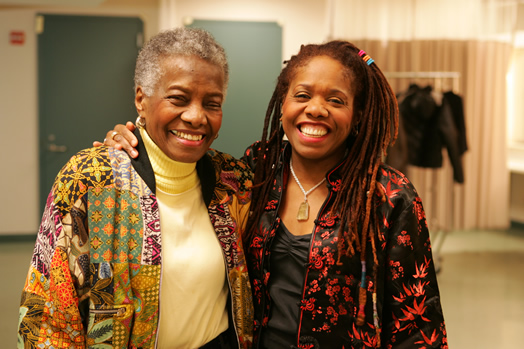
14	264
481	282
482	287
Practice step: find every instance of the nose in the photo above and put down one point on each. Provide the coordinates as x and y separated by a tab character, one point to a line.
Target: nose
316	108
194	115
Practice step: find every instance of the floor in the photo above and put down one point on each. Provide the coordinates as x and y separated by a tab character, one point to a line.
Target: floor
481	281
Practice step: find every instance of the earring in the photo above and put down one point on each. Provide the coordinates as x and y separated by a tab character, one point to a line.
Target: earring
216	136
354	132
140	121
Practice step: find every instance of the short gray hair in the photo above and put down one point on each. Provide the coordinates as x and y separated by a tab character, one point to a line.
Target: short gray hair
177	42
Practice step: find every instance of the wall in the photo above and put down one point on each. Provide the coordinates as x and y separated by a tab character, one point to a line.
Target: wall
516	130
302	21
19	211
19	132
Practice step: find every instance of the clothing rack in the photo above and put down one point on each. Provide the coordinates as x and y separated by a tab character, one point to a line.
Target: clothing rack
435	75
424	74
441	231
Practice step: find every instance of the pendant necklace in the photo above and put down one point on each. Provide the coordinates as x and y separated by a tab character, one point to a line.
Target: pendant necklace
303	210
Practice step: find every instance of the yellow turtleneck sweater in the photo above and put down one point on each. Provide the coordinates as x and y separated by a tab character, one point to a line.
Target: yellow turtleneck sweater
193	291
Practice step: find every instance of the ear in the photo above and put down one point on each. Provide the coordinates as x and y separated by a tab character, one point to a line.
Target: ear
357	118
139	100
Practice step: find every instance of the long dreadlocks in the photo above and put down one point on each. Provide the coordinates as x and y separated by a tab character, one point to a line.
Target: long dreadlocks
375	123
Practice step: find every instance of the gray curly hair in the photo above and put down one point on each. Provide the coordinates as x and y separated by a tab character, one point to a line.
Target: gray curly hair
176	42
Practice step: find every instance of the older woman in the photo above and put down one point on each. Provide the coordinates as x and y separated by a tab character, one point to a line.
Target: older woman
339	248
147	252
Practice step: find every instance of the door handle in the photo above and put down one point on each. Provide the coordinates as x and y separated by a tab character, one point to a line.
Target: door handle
57	148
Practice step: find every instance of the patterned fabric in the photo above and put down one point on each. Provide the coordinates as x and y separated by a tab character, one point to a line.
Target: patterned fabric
408	301
94	278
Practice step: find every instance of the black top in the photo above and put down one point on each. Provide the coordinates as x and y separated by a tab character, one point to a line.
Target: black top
289	254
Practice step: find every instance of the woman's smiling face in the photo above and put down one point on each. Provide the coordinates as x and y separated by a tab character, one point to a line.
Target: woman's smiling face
317	112
184	114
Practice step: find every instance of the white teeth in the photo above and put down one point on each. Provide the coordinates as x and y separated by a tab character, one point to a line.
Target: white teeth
312	131
187	136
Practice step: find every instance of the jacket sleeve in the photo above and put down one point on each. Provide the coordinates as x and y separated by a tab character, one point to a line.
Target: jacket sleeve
412	313
51	306
450	138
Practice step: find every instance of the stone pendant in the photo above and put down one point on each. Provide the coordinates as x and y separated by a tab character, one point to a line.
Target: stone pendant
303	212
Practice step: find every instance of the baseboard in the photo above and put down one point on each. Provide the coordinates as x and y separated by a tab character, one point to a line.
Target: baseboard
517	226
17	238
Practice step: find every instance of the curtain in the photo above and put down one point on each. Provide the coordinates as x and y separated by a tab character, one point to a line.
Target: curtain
481	202
473	38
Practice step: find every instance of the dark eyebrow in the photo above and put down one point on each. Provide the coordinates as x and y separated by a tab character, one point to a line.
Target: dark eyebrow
333	90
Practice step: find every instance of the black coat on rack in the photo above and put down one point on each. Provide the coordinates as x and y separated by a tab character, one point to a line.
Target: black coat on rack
430	122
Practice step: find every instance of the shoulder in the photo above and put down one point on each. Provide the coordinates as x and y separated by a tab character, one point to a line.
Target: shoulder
88	168
232	172
388	174
396	186
91	161
250	154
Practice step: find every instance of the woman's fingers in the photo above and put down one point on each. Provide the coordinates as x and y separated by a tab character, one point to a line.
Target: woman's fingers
122	138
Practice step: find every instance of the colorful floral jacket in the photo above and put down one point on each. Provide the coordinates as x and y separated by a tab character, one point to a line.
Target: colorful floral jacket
94	278
408	301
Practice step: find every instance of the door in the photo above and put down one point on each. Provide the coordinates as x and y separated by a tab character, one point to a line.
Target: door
85	84
254	52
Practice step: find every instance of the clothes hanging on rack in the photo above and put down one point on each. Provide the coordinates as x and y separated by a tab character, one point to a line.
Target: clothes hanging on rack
429	122
457	110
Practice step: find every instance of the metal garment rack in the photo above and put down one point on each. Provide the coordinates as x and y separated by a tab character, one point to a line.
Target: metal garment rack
437	77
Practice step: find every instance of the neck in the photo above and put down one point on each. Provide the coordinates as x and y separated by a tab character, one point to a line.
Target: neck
310	171
172	177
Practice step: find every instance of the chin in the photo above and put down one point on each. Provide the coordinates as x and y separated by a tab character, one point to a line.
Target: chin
188	157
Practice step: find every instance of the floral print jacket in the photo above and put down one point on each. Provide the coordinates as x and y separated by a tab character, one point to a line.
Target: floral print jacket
94	278
408	301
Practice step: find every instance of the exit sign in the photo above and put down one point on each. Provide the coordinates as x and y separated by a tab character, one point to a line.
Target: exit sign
16	37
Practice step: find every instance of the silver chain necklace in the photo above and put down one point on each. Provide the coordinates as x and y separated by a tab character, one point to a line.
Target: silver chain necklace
303	209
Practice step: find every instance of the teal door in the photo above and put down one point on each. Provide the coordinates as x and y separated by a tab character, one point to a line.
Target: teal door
85	84
254	51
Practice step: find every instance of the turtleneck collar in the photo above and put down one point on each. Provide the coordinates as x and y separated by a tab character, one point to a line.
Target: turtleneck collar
172	177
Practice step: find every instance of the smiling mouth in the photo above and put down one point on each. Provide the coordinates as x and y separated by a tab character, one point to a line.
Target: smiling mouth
187	136
313	131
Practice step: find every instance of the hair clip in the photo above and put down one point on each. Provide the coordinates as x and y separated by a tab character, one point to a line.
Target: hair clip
365	57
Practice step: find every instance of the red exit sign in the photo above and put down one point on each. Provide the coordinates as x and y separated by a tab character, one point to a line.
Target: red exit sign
17	37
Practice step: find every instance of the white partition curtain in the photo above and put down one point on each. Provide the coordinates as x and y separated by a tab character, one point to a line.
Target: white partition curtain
481	202
473	38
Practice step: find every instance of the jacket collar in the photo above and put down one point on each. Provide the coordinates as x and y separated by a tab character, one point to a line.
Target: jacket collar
204	167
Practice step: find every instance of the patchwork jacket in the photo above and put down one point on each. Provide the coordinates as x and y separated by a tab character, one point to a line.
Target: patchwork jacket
408	301
94	278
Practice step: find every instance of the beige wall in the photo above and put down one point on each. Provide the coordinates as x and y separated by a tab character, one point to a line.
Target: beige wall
18	130
302	21
516	132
